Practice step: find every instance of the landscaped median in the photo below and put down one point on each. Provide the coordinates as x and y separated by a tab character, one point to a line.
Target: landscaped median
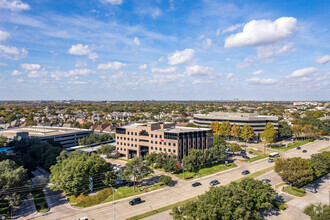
39	201
290	145
294	191
205	170
105	195
259	156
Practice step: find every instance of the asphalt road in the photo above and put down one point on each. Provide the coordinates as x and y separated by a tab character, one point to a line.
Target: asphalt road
182	191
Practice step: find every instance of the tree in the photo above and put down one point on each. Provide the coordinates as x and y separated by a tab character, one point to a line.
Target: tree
135	170
284	130
321	163
218	141
71	172
247	133
12	176
224	129
235	131
296	171
106	149
242	200
165	179
234	147
297	130
3	140
308	131
269	133
215	127
151	158
318	211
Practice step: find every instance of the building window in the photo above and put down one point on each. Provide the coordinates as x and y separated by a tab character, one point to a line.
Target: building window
124	149
160	136
124	138
121	138
135	145
152	135
152	148
135	139
155	135
135	133
156	148
160	149
174	144
124	144
121	143
121	148
169	150
156	142
164	143
160	143
165	149
173	151
117	142
152	142
169	144
117	148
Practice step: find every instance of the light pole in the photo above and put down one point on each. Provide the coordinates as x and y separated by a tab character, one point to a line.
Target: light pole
113	200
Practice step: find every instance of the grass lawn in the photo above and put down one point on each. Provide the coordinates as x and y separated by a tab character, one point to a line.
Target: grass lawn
105	195
165	208
291	146
281	184
294	191
325	149
205	171
40	200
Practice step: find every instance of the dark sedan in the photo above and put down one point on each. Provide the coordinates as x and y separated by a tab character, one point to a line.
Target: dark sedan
196	184
245	172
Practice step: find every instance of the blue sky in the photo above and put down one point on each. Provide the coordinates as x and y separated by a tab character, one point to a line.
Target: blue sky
164	50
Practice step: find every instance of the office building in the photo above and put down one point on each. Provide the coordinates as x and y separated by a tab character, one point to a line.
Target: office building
257	122
139	139
67	137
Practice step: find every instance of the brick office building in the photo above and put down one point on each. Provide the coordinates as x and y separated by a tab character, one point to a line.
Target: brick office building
139	139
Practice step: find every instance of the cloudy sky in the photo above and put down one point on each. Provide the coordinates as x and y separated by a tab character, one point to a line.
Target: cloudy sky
164	49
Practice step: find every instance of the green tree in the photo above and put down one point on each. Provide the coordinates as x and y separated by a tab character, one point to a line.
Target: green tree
242	200
218	141
12	177
296	171
224	129
321	163
247	133
71	172
269	133
165	179
3	140
151	158
308	131
235	131
234	147
284	130
106	149
135	170
318	211
297	130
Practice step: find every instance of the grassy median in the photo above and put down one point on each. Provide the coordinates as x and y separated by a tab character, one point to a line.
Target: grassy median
294	191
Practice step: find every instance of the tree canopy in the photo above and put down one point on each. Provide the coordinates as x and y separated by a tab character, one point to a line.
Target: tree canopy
321	163
269	133
284	130
247	132
242	200
71	172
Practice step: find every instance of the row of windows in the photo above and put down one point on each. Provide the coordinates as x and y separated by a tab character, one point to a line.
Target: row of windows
169	144
160	149
144	134
236	121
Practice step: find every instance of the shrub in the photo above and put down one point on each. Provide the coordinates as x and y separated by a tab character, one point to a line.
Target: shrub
165	179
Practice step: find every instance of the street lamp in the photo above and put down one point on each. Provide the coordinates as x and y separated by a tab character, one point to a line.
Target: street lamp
113	200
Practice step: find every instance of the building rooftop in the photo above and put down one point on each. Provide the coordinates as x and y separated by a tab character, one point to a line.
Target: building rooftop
44	131
234	115
183	129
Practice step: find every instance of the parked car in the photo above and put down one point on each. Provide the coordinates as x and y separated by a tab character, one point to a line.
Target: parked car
245	172
298	148
304	151
214	182
310	189
135	201
83	218
266	180
196	184
250	152
271	160
243	152
326	139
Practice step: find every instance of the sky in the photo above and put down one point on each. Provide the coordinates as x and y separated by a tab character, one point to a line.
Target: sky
164	50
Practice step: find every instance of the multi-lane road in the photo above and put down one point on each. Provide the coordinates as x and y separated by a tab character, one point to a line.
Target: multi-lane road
182	191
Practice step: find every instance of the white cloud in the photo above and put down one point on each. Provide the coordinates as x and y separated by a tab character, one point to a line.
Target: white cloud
207	42
30	66
164	70
14	5
58	75
111	65
3	64
12	52
231	28
113	2
302	72
38	73
323	60
80	64
16	73
218	32
81	50
200	81
136	41
258	72
227	59
77	72
261	32
156	12
256	81
4	35
198	70
20	80
230	75
143	67
120	75
180	57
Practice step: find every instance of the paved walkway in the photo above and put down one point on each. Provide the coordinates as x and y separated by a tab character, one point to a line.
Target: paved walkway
26	210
